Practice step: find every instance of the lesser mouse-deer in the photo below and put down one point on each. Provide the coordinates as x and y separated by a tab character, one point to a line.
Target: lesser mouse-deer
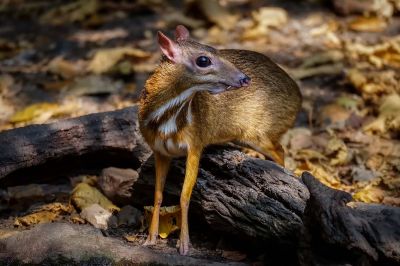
198	96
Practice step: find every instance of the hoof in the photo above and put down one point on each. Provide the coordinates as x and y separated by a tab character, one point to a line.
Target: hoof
183	247
150	241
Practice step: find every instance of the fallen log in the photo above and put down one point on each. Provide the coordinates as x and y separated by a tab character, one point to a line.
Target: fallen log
110	132
71	244
340	232
236	194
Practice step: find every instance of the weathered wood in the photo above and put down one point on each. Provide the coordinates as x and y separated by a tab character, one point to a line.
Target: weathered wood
71	244
342	232
37	144
236	194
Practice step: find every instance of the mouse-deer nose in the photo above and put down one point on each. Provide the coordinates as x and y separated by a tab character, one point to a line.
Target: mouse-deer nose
245	81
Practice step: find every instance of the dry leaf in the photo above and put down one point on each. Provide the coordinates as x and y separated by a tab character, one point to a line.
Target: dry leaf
104	59
265	18
76	219
389	116
44	214
370	194
370	24
66	69
36	218
177	17
70	12
99	36
85	195
337	151
170	219
92	85
333	114
41	112
309	154
320	173
331	69
379	55
218	14
131	238
331	56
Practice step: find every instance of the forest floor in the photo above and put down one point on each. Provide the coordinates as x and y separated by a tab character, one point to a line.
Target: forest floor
63	59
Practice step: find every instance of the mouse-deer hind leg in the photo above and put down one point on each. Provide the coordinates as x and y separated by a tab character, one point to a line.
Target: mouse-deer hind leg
162	164
269	149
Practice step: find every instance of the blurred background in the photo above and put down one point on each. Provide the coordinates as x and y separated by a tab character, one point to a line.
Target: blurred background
61	59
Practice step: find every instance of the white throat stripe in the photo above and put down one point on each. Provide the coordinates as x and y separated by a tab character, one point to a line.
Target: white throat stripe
181	98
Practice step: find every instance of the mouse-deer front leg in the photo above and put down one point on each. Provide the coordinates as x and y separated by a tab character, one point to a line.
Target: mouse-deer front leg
162	164
192	168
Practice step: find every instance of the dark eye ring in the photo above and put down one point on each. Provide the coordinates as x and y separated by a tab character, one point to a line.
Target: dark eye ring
203	61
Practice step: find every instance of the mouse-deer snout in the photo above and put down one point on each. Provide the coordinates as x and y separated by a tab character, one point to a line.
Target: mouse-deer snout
245	81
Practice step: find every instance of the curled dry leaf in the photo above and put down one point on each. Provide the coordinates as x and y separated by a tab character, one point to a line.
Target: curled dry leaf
329	62
131	238
337	151
85	195
333	115
320	172
331	69
41	112
36	218
373	83
370	24
379	55
104	59
99	36
266	18
177	17
65	68
218	14
92	85
330	56
389	116
370	194
45	214
170	219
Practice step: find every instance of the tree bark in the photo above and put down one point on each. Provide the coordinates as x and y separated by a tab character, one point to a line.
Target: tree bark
236	194
35	145
342	232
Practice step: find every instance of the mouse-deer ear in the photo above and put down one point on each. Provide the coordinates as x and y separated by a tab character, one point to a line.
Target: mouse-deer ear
181	33
169	48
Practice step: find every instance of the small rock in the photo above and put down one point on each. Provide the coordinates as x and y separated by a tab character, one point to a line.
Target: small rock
129	216
361	174
116	183
97	216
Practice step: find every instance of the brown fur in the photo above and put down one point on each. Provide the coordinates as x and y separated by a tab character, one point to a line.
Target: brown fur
264	110
256	115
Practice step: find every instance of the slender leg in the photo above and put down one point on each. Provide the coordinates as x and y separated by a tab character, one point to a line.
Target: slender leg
192	167
274	151
277	154
162	166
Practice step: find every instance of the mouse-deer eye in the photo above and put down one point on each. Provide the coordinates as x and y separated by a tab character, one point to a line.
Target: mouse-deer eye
203	61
